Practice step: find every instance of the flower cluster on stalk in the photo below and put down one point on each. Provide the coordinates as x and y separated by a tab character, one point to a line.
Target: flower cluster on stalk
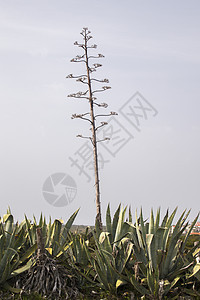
89	81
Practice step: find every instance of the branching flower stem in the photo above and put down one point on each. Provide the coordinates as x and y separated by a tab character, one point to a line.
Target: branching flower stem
90	116
94	138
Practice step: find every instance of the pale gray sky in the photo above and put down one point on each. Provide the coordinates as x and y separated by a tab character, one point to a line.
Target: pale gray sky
150	47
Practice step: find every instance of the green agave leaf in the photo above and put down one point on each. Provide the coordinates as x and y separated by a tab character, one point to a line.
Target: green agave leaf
31	231
44	230
103	256
185	217
141	257
191	292
63	249
112	288
172	252
74	248
5	261
34	220
151	223
181	270
139	236
55	236
105	260
133	235
143	230
6	217
49	234
30	251
196	271
150	280
153	252
141	289
171	218
109	223
22	226
178	225
56	232
102	236
168	286
79	250
149	238
85	259
122	229
174	257
6	272
1	228
7	265
111	276
127	256
18	239
2	244
97	244
164	221
157	220
105	241
167	223
189	232
67	227
115	222
85	275
7	287
9	210
160	257
130	219
24	268
8	229
100	258
89	255
41	221
160	235
155	245
11	240
101	275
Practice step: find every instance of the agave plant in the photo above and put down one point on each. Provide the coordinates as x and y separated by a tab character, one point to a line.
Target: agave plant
55	235
48	275
14	259
79	255
78	250
110	262
112	251
160	259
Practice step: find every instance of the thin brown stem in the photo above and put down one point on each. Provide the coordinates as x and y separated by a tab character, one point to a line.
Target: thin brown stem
94	141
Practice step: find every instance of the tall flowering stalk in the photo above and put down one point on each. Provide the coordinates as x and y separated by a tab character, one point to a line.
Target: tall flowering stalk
89	81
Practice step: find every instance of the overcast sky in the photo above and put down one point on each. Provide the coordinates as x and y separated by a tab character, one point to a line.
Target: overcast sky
152	59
